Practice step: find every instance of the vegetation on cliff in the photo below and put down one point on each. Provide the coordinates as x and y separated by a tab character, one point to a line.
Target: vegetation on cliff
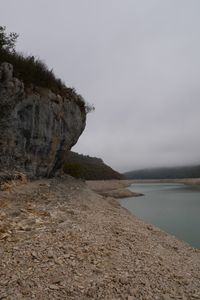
89	168
37	125
34	72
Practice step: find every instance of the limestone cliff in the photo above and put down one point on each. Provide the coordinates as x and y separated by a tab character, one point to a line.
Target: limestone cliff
36	126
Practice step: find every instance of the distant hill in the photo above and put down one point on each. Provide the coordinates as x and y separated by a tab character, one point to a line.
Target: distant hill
89	168
165	173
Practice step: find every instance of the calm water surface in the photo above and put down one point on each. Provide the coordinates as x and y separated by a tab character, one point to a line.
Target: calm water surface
175	208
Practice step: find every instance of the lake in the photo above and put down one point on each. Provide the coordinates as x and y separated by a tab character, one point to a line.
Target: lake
174	208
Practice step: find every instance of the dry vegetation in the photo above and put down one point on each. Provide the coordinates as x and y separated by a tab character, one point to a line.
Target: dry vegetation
34	72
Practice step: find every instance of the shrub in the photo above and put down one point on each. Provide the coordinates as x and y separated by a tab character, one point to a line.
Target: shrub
7	41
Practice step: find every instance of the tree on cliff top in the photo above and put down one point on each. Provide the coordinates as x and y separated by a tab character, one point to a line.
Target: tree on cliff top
7	41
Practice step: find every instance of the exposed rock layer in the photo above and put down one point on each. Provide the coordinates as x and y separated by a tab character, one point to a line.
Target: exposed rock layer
36	126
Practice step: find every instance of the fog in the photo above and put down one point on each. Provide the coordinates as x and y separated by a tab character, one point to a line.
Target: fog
137	62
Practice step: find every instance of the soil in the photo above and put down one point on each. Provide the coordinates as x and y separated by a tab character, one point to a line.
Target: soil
61	240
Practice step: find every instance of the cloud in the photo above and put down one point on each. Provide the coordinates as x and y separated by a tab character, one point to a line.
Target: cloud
136	61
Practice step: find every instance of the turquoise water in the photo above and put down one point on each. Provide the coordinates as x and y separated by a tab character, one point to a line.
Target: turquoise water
175	208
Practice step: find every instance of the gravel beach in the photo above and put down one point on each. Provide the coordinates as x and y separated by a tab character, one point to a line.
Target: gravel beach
61	240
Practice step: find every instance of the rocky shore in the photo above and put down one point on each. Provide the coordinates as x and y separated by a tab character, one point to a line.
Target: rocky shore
190	181
112	188
61	240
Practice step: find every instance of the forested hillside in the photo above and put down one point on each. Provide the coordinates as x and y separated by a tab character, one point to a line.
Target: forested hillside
165	173
90	168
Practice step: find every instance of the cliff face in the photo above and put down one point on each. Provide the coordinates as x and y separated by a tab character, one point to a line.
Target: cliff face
36	126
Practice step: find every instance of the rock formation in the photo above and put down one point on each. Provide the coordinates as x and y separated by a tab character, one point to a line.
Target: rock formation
36	126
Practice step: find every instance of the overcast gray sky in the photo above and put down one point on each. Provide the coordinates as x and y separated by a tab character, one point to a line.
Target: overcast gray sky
137	61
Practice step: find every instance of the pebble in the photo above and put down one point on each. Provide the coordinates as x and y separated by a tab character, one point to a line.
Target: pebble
50	254
34	255
54	287
83	259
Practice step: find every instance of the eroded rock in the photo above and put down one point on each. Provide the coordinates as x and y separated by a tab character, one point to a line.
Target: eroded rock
36	126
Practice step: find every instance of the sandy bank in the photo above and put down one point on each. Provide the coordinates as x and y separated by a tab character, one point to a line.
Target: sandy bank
60	240
112	188
192	181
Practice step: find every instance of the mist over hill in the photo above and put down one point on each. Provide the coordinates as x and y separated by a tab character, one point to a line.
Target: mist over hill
165	173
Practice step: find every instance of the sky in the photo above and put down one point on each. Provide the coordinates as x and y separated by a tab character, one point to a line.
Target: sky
136	61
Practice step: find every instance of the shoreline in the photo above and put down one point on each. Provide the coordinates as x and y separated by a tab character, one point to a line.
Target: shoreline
112	188
117	188
101	186
190	181
61	240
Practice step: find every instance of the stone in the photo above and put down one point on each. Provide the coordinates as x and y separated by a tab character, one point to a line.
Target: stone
34	255
35	130
6	72
50	254
54	287
56	280
15	213
124	280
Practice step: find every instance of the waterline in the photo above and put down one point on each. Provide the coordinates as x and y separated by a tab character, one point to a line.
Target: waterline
175	208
